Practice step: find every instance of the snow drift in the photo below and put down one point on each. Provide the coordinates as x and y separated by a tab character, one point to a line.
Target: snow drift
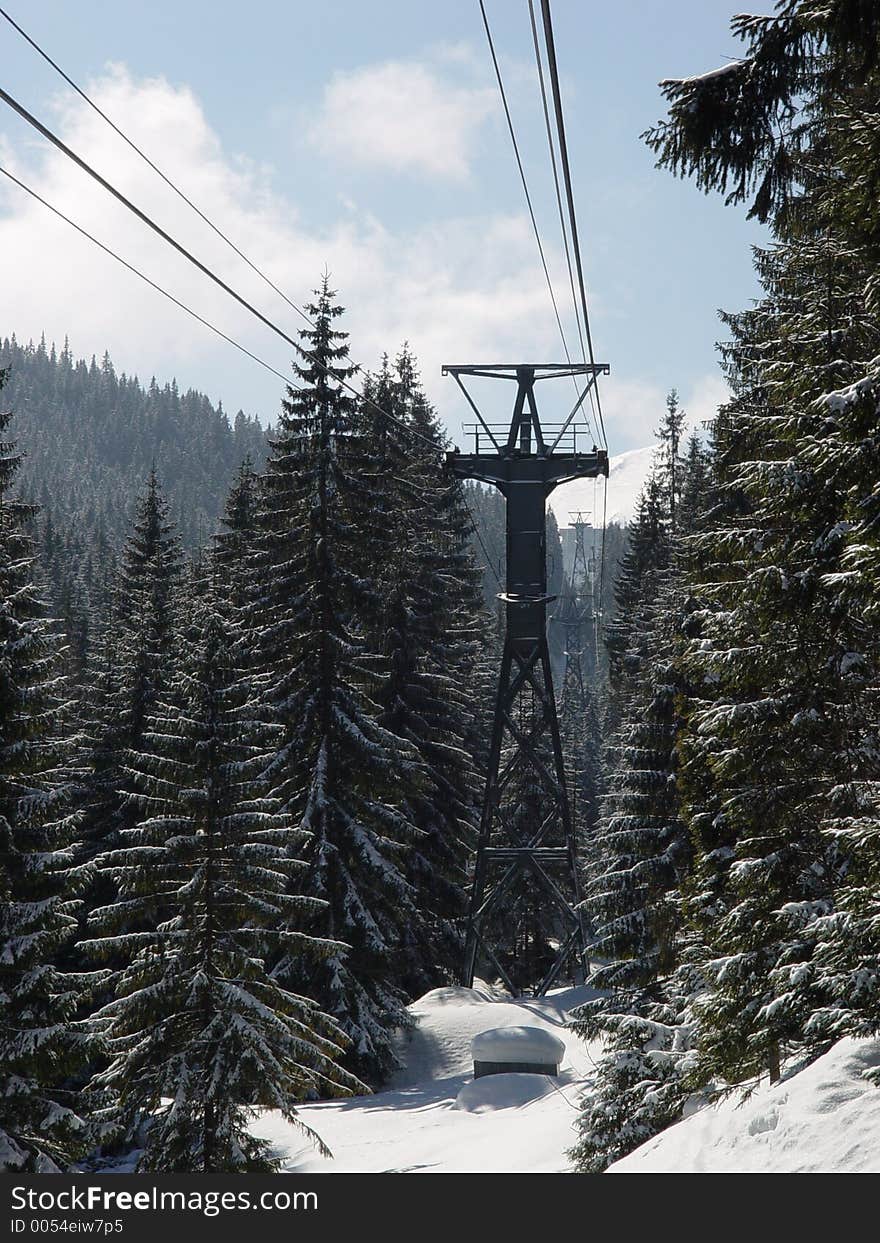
824	1119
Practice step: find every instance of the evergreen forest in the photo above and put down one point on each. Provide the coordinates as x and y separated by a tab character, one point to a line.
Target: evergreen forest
247	680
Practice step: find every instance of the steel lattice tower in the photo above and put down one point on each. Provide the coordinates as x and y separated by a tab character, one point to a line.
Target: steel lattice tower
578	612
526	461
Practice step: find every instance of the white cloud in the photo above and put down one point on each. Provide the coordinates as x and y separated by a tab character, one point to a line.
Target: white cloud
403	116
705	396
634	408
462	286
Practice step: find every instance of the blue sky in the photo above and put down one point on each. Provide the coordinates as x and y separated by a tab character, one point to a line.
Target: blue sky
369	137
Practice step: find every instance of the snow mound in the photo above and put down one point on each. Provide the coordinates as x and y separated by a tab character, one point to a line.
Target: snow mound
518	1044
448	1019
513	1091
822	1119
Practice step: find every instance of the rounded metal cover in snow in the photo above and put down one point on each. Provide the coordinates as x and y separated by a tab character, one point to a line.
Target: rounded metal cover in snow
521	1049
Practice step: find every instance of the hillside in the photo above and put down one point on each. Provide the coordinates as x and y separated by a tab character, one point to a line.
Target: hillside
823	1119
90	436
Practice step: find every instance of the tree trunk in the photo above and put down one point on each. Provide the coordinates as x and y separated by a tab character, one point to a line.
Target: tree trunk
773	1062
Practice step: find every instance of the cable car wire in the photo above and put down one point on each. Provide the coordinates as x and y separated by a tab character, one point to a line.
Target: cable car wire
185	198
490	564
205	270
137	272
553	164
575	246
146	219
566	175
522	176
143	155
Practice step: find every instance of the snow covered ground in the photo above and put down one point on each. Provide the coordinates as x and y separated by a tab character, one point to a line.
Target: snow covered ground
824	1119
435	1117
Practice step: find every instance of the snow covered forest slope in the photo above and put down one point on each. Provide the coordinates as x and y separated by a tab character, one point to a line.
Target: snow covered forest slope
627	473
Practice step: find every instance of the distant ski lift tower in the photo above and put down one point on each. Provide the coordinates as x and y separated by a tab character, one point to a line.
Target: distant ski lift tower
579	618
526	461
580	571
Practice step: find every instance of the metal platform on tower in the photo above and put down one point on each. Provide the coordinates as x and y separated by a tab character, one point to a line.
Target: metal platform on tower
526	841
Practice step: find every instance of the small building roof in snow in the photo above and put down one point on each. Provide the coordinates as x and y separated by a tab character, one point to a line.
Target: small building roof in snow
518	1044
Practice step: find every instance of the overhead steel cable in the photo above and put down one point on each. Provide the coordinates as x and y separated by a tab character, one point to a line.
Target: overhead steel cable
490	565
522	176
540	64
566	174
575	243
137	272
553	164
182	250
602	556
202	215
143	155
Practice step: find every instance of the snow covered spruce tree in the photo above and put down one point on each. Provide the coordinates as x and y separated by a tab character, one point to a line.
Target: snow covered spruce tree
131	662
232	543
641	850
847	946
42	1047
640	846
198	1033
640	569
668	465
429	646
778	740
336	769
641	853
581	736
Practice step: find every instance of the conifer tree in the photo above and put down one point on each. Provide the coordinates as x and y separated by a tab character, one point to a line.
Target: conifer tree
41	1045
233	542
199	1033
581	743
668	466
775	762
428	640
642	859
336	769
640	571
132	660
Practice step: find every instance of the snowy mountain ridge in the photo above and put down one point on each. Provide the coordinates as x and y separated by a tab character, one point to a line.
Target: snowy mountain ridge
627	473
